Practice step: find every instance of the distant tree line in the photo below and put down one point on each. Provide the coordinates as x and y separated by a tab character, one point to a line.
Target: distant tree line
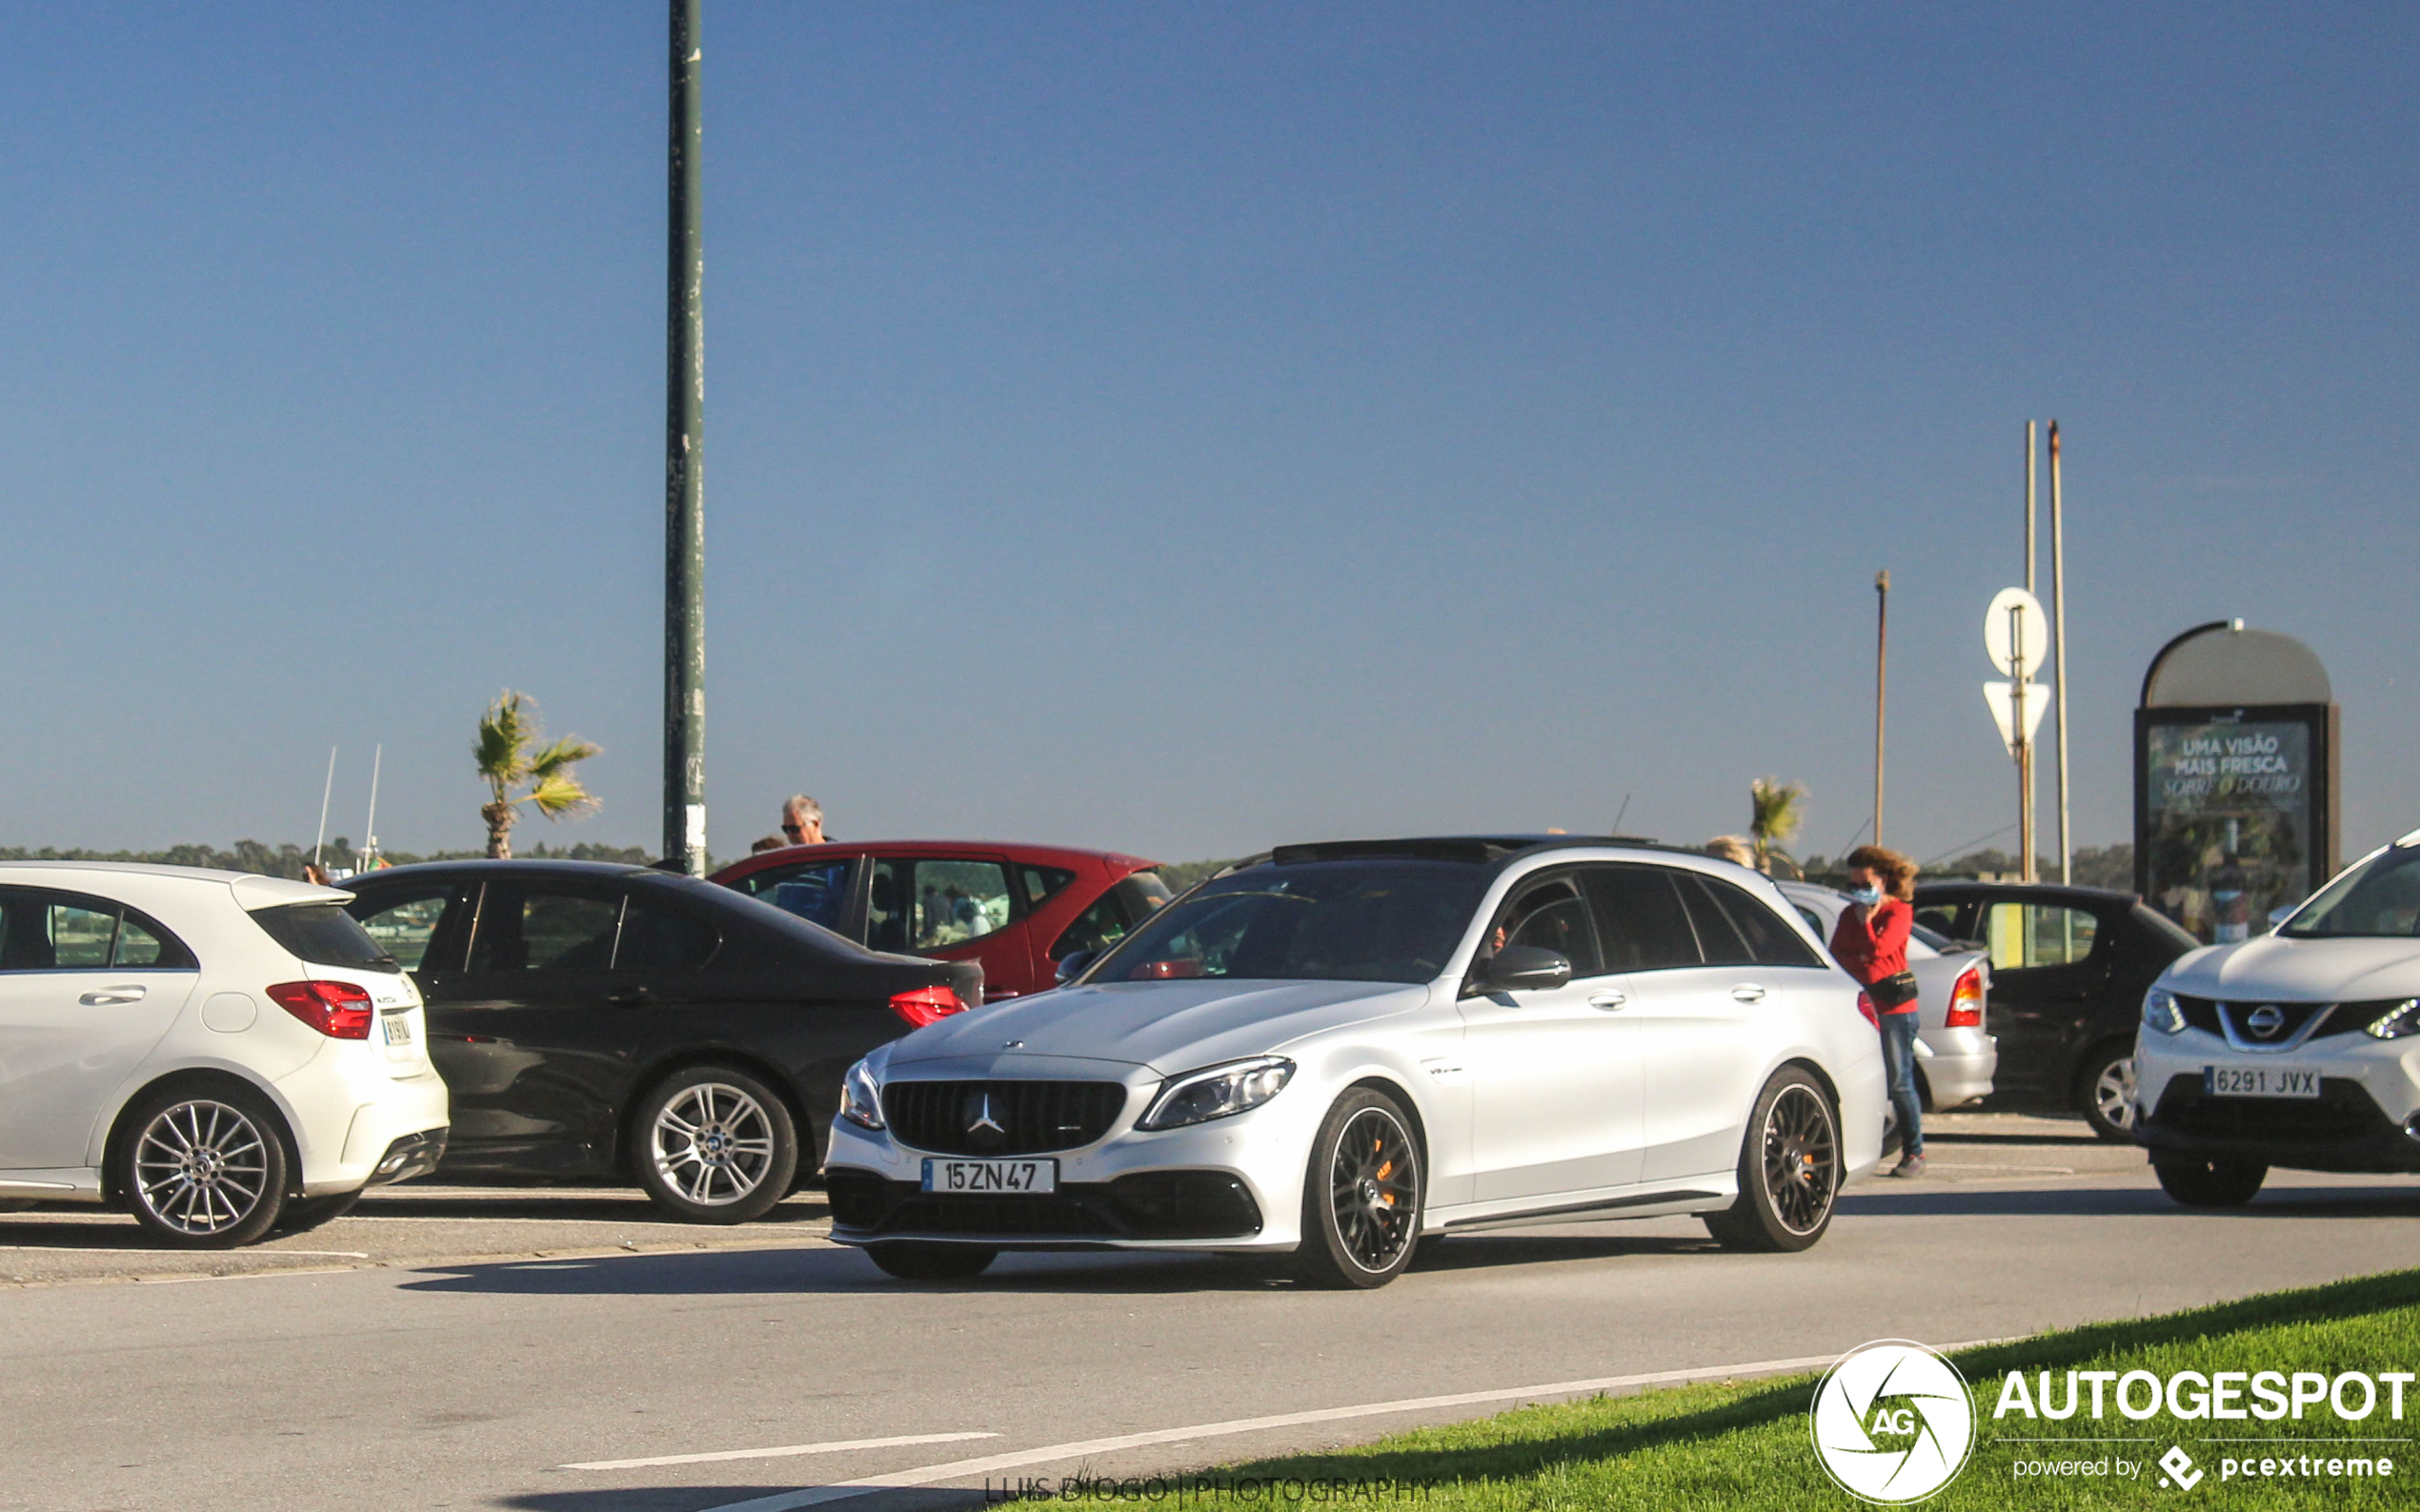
287	860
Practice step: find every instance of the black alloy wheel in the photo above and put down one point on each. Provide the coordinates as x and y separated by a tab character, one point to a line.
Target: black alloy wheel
2104	1091
922	1261
712	1144
202	1166
2208	1183
1362	1196
1789	1169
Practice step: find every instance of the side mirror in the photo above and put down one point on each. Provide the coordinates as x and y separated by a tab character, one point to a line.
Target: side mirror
1072	966
1527	968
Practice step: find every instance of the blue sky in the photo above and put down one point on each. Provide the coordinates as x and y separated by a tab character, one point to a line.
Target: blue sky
1181	429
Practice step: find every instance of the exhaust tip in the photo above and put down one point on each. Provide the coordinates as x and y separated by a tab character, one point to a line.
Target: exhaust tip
2411	1127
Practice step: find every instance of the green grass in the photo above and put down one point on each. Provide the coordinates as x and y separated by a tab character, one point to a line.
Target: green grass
1745	1445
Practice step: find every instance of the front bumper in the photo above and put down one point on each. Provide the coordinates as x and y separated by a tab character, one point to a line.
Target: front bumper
1145	1207
2370	1092
1234	1183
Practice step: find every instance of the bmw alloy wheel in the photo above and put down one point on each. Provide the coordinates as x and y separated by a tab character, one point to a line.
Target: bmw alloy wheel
1802	1159
712	1144
1373	1189
202	1168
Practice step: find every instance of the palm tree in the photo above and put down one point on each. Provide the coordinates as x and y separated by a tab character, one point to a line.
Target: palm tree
510	755
1775	810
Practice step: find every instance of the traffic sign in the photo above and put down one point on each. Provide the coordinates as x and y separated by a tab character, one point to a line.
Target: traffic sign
2002	699
2015	626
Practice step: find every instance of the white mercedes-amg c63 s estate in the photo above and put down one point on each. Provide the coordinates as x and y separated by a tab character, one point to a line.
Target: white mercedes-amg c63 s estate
1342	1047
219	1054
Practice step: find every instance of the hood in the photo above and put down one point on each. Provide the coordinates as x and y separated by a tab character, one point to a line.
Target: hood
1169	1026
2301	970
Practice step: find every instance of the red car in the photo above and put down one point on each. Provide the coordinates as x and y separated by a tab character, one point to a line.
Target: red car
1018	909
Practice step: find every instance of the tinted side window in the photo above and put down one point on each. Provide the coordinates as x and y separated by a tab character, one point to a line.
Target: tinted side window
404	928
43	930
817	891
1939	917
2022	934
1043	882
1556	918
1718	936
1639	921
533	929
957	902
1770	942
657	938
1097	928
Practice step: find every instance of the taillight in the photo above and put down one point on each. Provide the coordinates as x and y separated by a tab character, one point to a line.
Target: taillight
337	1009
1965	1000
926	1006
1866	1006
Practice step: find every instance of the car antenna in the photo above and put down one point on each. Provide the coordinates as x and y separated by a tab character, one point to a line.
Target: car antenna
1625	809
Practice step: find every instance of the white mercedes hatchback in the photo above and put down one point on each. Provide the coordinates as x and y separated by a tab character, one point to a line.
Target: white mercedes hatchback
2299	1049
219	1054
1342	1048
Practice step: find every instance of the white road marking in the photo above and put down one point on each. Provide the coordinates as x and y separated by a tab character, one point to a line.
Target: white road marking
96	1249
990	1465
776	1454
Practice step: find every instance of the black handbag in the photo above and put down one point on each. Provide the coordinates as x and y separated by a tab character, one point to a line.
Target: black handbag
1893	992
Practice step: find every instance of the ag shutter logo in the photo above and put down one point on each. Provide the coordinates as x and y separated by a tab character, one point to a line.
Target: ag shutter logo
1892	1423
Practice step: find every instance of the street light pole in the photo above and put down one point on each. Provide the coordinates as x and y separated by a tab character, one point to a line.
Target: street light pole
2024	740
2059	640
684	466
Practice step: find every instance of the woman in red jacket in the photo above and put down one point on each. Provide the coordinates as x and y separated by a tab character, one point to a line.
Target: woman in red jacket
1870	942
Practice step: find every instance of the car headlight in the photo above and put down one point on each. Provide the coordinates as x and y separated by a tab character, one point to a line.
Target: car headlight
861	1098
2403	1019
1218	1093
2160	1013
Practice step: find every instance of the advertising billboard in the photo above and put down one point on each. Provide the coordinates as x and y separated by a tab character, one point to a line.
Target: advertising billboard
2232	814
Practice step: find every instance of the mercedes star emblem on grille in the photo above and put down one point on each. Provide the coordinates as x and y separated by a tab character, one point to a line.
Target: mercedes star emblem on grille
981	1127
2266	1020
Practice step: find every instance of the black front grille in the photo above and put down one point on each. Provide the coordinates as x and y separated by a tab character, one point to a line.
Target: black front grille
1144	1205
1020	1118
2216	1017
2341	1112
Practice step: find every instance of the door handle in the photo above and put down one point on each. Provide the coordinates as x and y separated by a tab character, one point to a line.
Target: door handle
630	998
1749	992
1608	1000
106	997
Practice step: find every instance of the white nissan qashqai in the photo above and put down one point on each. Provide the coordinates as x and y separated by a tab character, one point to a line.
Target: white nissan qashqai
1342	1048
221	1053
2299	1049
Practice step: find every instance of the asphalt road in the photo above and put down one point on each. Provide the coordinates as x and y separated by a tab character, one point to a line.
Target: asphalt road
530	1378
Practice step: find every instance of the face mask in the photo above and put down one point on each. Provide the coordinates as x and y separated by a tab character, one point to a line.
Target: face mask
1867	895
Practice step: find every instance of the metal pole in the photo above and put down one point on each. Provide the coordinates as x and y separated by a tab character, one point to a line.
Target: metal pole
684	466
1882	686
327	791
2059	639
2025	747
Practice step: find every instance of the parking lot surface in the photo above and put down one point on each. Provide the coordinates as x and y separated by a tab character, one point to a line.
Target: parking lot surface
571	1374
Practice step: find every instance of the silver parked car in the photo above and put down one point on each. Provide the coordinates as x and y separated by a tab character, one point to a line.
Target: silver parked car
1955	1055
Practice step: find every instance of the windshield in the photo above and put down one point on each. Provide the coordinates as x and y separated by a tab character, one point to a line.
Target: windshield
1362	920
2379	897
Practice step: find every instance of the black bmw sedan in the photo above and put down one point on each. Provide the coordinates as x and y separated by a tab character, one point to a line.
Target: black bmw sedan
597	1020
